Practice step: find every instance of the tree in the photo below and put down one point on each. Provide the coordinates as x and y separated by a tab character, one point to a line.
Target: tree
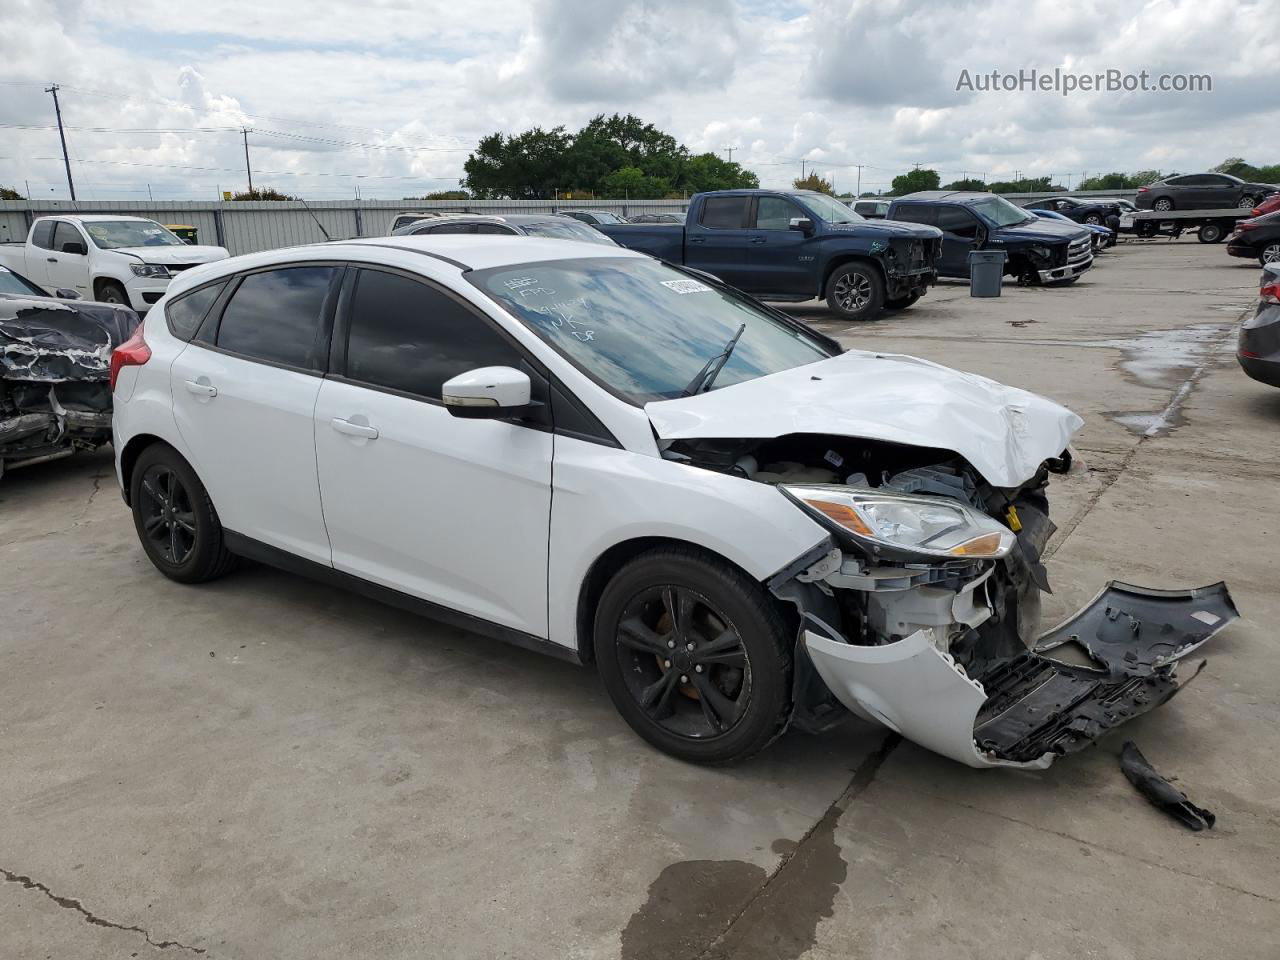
262	193
814	182
1237	168
917	179
630	183
1106	181
527	166
967	184
8	193
446	195
706	171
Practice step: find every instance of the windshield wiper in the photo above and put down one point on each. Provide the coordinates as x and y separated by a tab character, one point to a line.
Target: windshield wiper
702	380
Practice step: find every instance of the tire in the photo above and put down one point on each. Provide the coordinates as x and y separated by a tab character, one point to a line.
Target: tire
176	523
739	702
1269	254
1164	204
1145	229
902	303
111	292
855	292
1094	219
1210	233
1247	203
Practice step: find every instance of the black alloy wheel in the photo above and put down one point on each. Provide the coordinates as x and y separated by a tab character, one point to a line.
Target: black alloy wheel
684	662
167	518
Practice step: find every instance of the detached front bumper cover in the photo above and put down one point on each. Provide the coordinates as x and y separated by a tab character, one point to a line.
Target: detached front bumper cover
1027	710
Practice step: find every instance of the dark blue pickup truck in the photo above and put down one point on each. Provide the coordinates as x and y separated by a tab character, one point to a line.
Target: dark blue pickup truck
1037	251
796	245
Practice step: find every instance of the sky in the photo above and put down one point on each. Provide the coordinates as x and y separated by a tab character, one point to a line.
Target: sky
387	97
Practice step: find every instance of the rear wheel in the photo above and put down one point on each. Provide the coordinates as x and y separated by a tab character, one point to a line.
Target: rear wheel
176	523
1269	254
695	656
1164	203
1210	233
855	292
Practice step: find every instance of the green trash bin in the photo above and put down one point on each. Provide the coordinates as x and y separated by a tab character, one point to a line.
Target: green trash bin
986	267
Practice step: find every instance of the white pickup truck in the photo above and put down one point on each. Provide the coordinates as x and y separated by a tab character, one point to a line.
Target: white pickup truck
115	259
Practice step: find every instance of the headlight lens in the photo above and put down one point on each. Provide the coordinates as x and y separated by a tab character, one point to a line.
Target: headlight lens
149	270
930	526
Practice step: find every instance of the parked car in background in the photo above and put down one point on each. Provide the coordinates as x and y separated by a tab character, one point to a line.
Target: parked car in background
1258	344
871	209
590	453
594	217
55	353
1125	205
1086	211
1202	191
1257	238
1102	236
673	217
1038	251
1269	204
114	259
796	245
509	224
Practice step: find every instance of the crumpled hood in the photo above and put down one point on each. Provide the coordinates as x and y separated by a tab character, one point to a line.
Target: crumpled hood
173	254
52	341
1043	229
1004	432
888	228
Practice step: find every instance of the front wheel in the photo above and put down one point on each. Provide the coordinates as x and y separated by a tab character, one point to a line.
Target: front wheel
1269	254
1094	219
901	303
695	656
1247	203
112	292
855	292
175	519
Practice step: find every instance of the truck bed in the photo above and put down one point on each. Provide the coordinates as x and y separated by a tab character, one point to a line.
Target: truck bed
662	240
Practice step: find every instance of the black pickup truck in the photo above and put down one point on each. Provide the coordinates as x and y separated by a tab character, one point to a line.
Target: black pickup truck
796	245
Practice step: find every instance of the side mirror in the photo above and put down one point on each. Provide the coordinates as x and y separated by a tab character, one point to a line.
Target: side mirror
803	224
74	246
66	293
487	393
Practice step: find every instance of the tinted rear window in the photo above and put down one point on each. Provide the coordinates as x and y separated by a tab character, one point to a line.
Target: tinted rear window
725	213
275	316
186	312
914	212
42	235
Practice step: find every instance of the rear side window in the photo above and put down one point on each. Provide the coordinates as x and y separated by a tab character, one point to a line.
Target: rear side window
725	213
450	228
186	313
493	228
914	213
42	235
411	337
275	316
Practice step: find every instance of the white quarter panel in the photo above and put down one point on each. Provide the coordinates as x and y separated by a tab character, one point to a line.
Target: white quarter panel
450	510
253	446
604	496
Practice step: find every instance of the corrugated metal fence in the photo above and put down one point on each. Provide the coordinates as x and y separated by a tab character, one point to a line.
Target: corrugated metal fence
248	226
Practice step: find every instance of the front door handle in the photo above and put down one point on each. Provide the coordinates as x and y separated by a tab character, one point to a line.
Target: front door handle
201	389
697	239
51	259
757	240
354	429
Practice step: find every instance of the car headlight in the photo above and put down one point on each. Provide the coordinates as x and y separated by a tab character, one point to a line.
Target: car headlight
1043	252
929	526
149	270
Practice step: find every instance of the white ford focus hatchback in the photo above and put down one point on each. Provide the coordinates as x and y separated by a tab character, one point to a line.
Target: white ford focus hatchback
586	451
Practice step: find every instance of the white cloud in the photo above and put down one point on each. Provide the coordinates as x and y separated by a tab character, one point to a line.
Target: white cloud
834	83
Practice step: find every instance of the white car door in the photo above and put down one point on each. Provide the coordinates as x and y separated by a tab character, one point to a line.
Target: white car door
69	270
452	511
244	395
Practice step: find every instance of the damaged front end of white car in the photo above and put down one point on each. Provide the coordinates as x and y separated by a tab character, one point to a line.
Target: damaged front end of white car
922	610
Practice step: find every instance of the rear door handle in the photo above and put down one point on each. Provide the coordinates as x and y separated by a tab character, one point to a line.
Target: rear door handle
201	389
697	239
757	240
51	259
354	429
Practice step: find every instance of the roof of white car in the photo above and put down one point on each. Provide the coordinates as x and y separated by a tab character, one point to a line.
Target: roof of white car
88	217
478	252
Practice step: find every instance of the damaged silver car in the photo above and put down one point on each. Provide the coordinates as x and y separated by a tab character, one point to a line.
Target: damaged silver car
55	357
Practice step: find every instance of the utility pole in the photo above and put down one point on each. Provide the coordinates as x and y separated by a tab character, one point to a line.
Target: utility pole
729	150
247	169
63	137
858	192
802	168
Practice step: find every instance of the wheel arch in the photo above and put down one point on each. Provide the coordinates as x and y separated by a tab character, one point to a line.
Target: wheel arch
129	457
609	563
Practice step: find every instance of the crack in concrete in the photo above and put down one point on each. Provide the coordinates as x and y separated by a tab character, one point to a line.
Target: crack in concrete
97	479
69	903
861	780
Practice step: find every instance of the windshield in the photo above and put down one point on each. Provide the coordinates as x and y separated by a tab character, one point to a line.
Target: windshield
827	208
604	216
109	234
11	282
643	329
568	229
1001	212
